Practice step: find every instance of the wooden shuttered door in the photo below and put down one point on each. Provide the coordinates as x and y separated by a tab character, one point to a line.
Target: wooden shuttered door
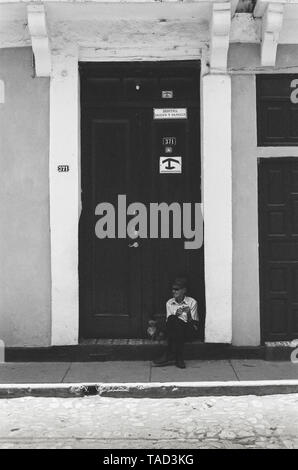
278	242
277	110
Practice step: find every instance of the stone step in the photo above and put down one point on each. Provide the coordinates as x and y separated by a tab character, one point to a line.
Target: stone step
127	349
280	350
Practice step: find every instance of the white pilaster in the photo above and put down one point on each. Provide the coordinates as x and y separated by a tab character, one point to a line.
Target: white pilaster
37	26
219	36
64	197
217	200
271	28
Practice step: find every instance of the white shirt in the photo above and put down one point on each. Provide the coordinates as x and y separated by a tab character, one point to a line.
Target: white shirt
172	307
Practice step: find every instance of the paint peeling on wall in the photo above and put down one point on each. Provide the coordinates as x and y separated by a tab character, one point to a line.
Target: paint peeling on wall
245	29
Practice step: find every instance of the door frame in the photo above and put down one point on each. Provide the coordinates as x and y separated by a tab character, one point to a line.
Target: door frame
65	199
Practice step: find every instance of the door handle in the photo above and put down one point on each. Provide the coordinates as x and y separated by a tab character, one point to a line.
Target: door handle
134	245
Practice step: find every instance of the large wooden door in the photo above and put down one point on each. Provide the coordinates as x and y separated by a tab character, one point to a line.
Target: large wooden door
110	277
278	244
123	283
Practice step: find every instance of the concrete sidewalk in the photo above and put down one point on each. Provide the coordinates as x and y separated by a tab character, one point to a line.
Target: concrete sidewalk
140	378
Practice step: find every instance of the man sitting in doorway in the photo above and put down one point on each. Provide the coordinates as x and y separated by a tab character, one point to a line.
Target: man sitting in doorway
181	324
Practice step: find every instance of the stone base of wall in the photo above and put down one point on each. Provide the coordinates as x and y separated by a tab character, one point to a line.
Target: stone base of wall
128	350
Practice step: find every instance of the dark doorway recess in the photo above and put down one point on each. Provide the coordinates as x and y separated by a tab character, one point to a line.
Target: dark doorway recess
122	286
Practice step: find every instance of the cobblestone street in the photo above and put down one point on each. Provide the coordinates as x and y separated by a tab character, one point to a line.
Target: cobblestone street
107	423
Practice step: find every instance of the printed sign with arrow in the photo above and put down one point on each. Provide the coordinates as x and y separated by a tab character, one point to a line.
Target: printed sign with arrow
170	164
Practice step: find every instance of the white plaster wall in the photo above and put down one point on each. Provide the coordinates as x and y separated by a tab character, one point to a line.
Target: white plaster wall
245	59
131	31
244	64
24	209
105	31
246	318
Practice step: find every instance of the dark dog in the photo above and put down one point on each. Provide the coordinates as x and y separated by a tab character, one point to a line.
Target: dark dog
153	331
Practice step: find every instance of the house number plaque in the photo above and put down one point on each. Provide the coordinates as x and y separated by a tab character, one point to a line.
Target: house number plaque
63	168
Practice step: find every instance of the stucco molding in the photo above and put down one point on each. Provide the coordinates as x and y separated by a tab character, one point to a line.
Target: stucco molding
220	26
37	25
271	27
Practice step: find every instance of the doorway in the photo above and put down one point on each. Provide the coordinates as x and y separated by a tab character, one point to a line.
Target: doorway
131	116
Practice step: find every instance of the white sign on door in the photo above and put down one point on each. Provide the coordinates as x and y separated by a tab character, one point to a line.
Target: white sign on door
170	165
169	113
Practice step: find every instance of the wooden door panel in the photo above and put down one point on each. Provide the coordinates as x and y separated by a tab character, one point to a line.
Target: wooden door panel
278	317
294	181
276	222
277	279
109	269
277	115
278	226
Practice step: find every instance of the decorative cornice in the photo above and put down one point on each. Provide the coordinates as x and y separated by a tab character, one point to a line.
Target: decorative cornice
271	27
37	25
219	36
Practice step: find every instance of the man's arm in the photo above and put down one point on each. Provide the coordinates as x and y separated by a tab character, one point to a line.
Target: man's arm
192	312
173	311
169	310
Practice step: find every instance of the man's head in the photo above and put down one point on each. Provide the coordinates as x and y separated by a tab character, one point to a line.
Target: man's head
179	288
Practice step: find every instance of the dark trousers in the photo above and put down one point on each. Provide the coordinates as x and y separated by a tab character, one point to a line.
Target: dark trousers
177	332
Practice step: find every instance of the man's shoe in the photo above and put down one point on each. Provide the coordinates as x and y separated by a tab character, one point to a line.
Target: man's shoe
165	360
170	362
180	363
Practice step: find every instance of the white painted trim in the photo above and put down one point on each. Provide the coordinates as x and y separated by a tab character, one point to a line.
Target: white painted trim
37	25
271	152
217	200
220	26
271	28
64	197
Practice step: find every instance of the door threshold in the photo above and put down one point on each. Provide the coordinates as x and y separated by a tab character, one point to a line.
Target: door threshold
118	341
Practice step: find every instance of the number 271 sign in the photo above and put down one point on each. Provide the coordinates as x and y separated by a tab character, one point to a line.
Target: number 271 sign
294	93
